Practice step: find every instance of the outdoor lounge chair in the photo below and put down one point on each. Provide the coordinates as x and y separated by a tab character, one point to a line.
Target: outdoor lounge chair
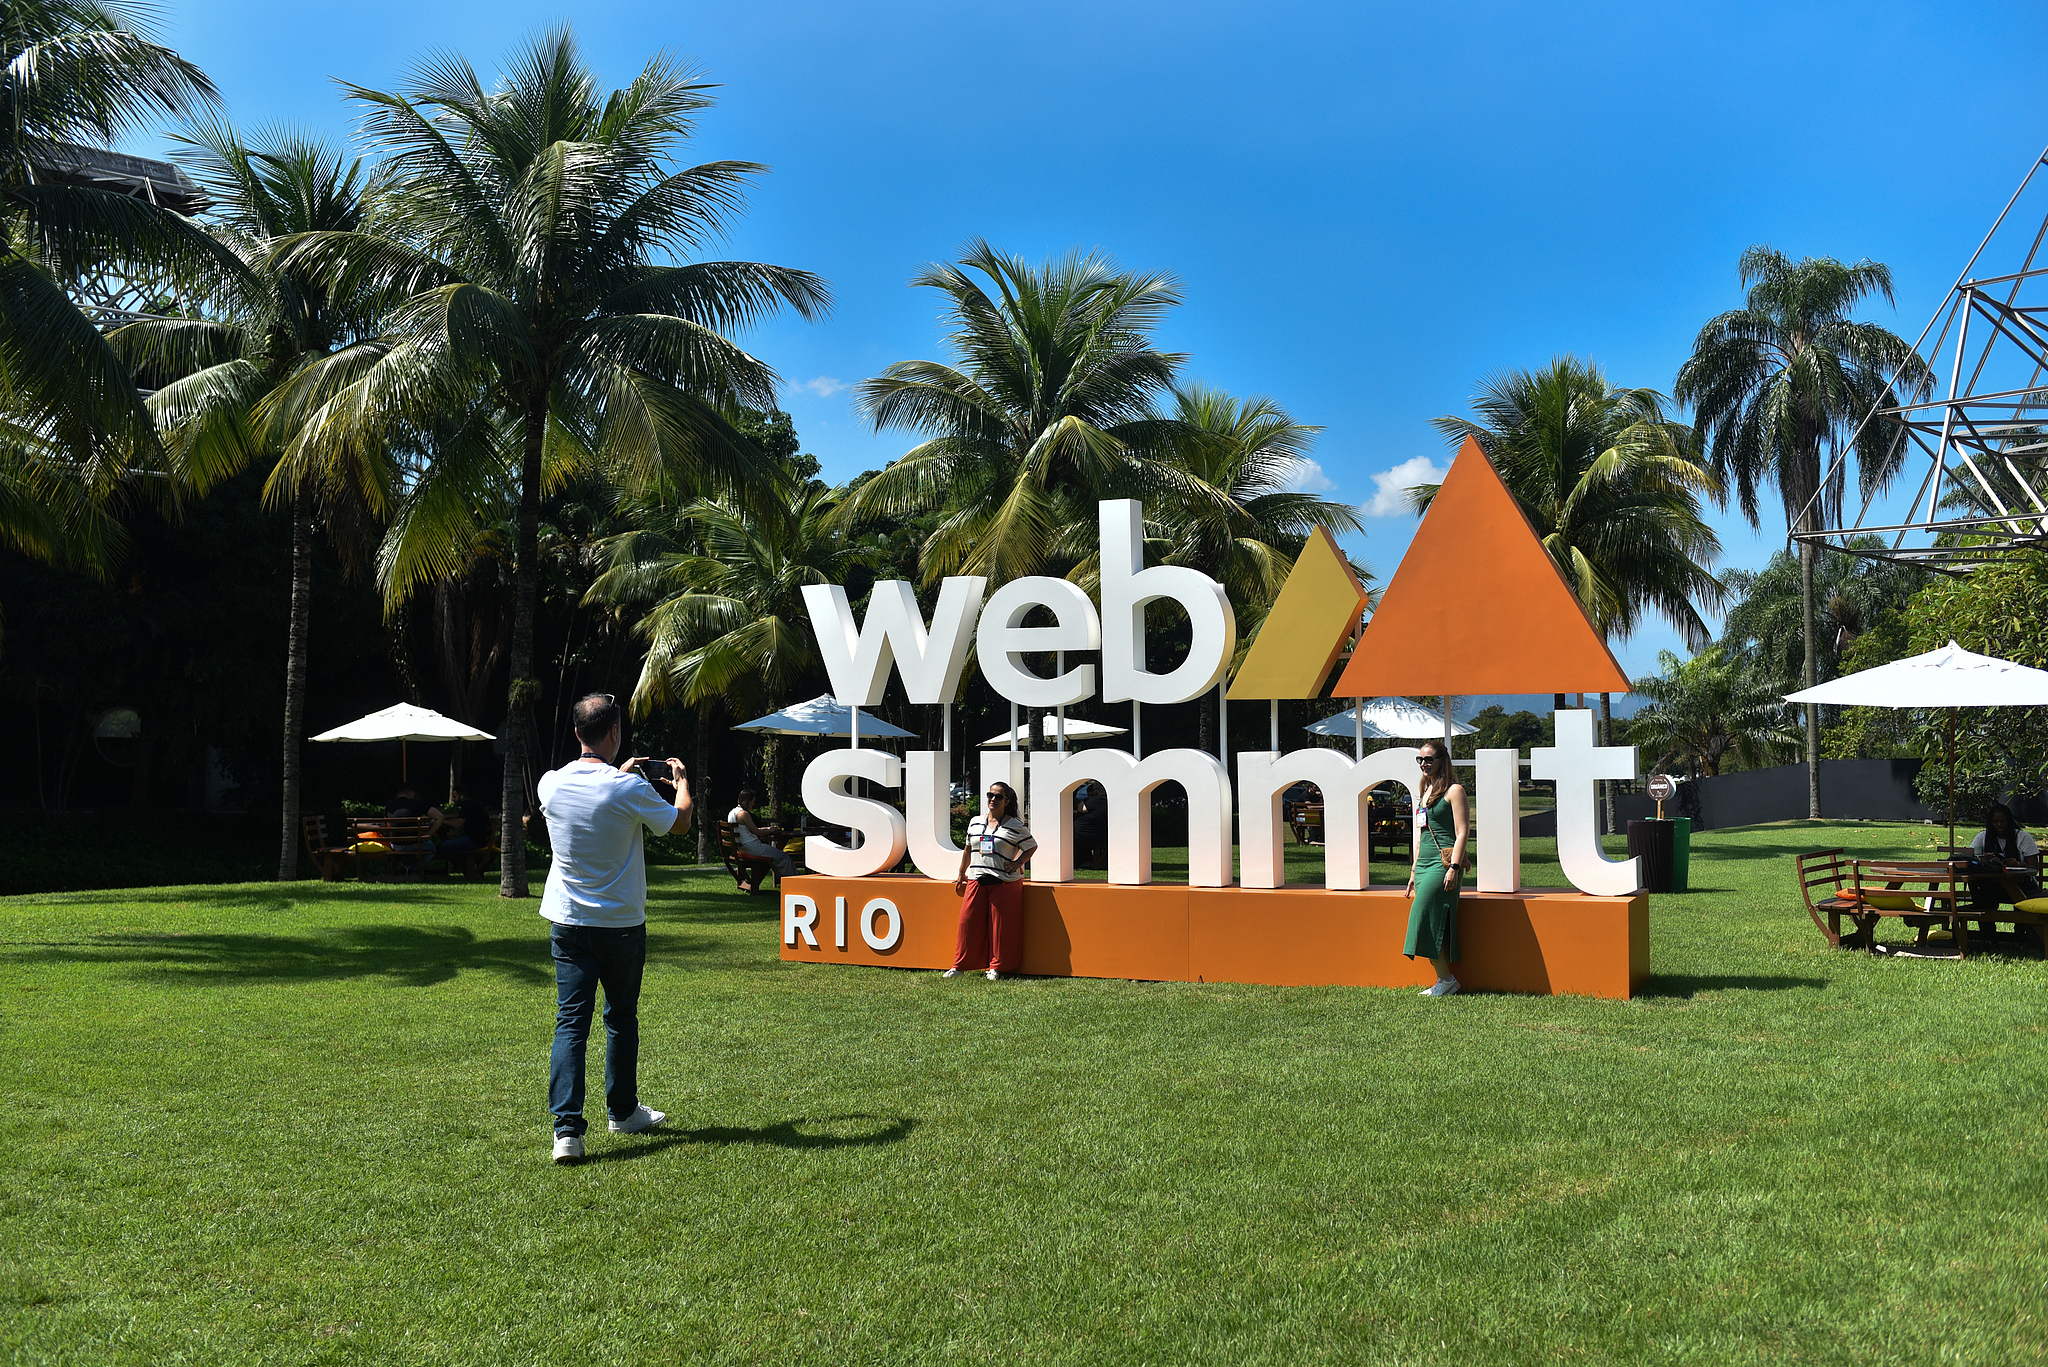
749	871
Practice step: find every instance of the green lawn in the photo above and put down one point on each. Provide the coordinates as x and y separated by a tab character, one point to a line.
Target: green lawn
307	1124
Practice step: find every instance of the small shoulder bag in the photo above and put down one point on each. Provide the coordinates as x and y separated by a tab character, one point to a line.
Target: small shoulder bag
1443	855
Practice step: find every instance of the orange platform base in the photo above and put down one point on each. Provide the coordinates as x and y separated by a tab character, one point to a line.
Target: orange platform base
1537	940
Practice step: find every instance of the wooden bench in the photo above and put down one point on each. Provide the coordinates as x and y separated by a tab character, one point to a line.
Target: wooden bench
2025	913
394	832
1882	887
748	871
335	862
1826	873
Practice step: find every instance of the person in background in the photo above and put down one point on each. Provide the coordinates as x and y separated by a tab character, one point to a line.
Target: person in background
468	824
991	884
1091	827
1442	827
2002	847
763	842
596	898
407	802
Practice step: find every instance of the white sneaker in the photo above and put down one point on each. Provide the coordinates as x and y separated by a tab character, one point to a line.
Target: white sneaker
950	973
1444	988
992	975
641	1119
568	1148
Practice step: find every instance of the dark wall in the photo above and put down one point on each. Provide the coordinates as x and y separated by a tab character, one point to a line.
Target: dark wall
1855	789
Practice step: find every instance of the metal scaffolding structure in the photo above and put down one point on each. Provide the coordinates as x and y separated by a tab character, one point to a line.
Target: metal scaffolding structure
1984	492
125	291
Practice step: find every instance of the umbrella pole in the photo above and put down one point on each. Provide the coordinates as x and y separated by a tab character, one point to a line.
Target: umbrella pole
1951	783
1276	726
1137	731
403	773
1060	713
1358	728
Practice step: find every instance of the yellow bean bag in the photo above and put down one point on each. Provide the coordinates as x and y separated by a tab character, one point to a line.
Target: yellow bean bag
1890	901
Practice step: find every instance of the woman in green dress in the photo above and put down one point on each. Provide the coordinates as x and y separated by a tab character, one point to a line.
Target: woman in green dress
1442	827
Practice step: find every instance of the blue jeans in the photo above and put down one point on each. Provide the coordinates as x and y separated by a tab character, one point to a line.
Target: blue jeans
587	957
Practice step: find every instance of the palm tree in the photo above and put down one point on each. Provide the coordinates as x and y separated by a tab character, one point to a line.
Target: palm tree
1853	594
211	374
1050	407
537	336
1773	382
1230	512
1611	487
719	593
74	71
1706	707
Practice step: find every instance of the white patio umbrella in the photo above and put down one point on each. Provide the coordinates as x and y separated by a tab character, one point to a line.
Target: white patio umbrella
1049	728
1387	719
1950	677
823	715
403	722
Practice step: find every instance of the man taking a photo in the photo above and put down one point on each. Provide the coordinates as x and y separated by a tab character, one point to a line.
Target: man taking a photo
596	895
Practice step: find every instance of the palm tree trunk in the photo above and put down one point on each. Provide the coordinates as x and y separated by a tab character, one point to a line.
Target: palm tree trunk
519	696
700	783
1812	712
771	776
1607	738
295	678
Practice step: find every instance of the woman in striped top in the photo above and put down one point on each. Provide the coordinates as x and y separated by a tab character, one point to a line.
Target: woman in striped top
991	884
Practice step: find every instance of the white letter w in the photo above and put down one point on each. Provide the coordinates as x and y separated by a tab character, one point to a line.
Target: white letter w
857	661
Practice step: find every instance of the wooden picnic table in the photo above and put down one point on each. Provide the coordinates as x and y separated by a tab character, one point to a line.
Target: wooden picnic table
1928	892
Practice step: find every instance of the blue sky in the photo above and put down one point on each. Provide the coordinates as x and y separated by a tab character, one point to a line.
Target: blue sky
1369	207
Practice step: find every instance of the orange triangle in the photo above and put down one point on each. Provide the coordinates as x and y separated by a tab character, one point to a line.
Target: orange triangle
1477	606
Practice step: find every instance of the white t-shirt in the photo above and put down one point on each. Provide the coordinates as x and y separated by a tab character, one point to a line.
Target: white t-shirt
748	840
2027	846
595	813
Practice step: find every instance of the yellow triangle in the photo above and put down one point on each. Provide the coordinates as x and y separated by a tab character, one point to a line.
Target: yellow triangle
1315	614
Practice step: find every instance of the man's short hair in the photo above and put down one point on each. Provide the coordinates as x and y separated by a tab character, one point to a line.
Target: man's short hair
594	716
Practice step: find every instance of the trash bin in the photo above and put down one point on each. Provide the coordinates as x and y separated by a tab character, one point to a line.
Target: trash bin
1681	855
1651	841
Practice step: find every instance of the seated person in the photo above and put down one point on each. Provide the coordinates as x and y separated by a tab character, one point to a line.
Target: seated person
469	823
1091	827
408	802
763	842
2002	847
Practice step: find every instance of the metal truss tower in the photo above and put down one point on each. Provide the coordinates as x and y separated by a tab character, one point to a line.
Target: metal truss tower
1983	447
120	292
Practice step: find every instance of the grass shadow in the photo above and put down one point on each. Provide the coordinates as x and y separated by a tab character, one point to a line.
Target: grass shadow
786	1134
1683	985
408	955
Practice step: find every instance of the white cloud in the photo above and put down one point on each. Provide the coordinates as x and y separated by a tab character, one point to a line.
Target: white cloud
824	386
1390	497
1307	477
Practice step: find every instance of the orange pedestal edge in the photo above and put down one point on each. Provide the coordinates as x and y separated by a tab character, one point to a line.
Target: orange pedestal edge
1538	940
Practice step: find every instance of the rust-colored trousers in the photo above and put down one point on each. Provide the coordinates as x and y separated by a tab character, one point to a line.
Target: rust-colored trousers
991	911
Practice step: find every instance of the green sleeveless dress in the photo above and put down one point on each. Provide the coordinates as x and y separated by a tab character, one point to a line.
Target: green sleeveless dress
1433	919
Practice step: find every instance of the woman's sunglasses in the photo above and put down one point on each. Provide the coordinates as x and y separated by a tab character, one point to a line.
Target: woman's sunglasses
997	797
